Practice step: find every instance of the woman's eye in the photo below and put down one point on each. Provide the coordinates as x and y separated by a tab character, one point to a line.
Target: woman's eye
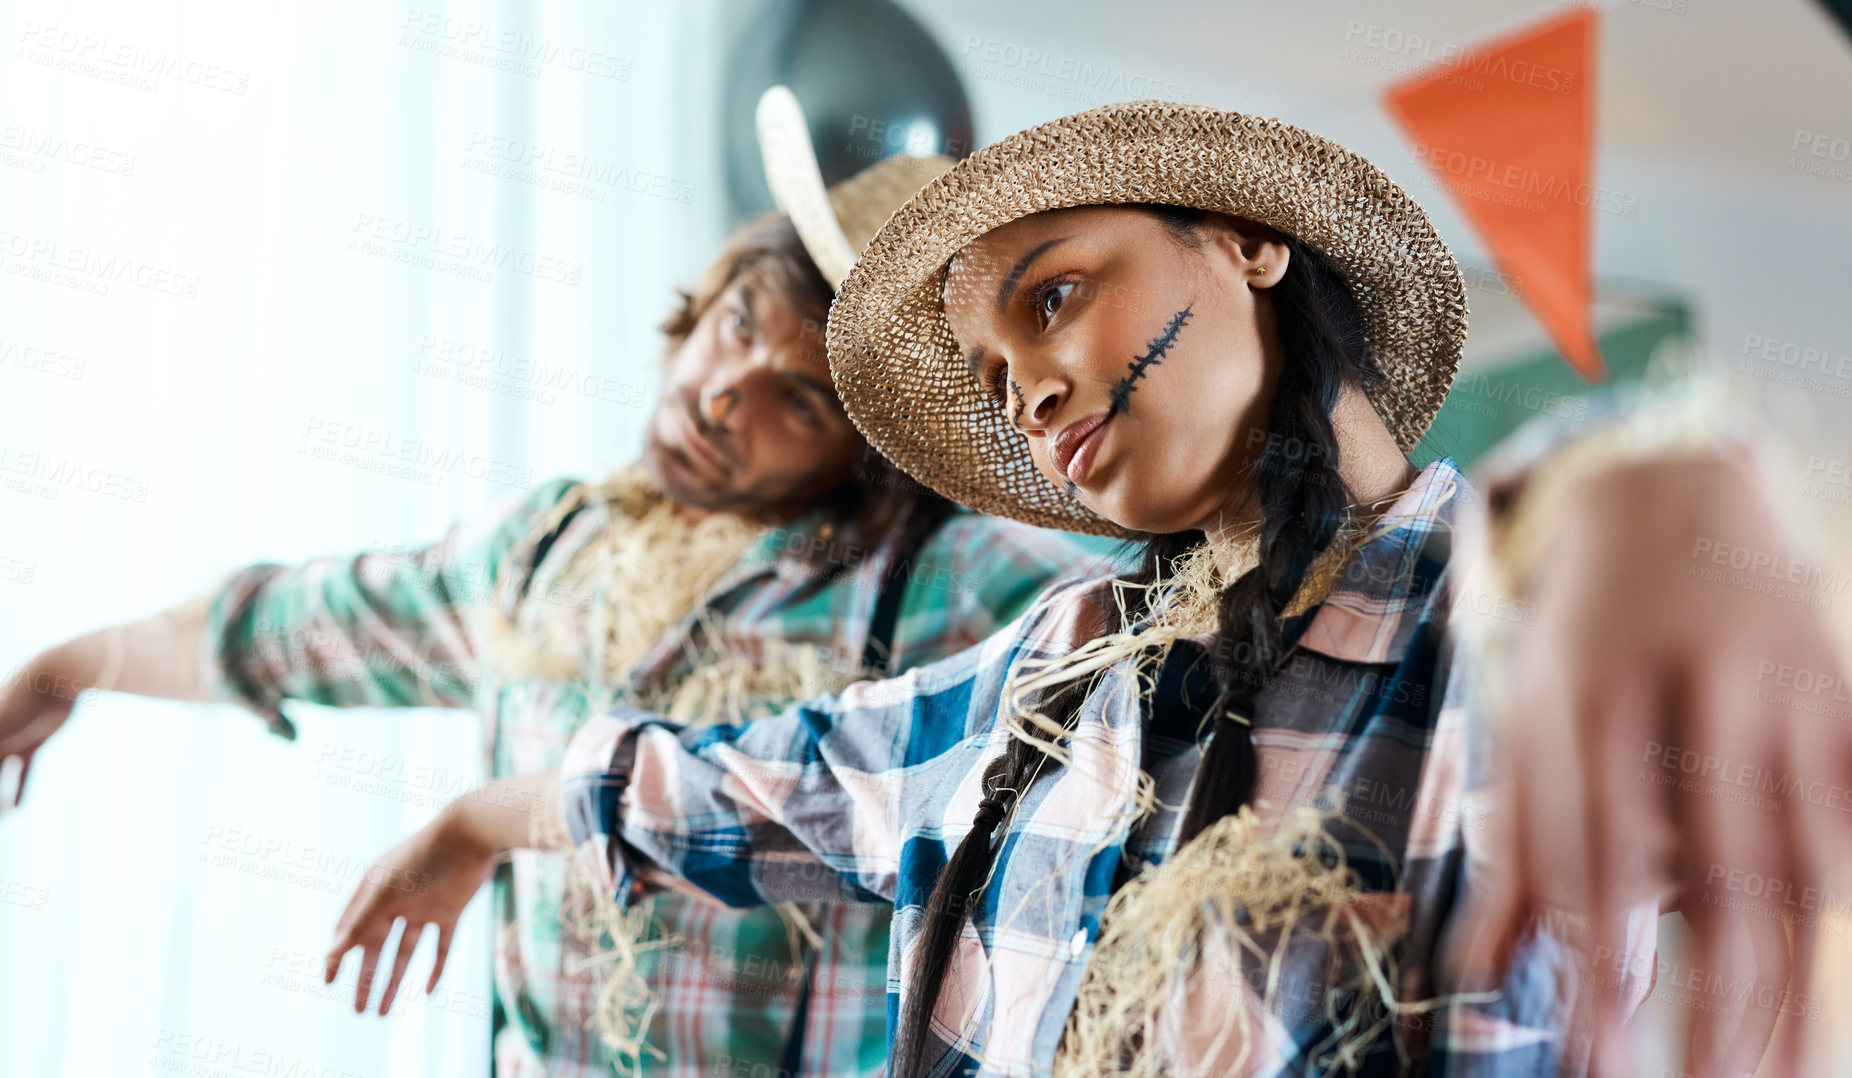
803	410
736	321
1052	299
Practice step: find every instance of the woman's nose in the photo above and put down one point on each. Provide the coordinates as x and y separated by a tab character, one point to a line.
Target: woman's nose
1034	406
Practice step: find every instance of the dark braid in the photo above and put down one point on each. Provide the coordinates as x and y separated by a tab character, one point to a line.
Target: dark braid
1301	502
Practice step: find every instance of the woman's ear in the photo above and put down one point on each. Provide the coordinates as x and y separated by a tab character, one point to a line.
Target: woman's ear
1254	252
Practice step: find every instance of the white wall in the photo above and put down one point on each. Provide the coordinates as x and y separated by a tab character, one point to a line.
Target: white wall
237	179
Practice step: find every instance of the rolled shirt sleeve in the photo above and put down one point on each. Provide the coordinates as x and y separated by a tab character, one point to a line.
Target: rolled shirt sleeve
813	804
381	628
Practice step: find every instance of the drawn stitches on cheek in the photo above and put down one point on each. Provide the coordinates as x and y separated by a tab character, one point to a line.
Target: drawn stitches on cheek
1154	352
1021	404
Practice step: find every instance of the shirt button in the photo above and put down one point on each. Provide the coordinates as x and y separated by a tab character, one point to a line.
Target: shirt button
1077	944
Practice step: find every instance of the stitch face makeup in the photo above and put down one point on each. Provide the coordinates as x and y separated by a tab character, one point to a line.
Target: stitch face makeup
1067	316
1122	389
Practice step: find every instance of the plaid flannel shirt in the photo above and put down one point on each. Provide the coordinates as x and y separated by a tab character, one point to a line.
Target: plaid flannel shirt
864	794
395	627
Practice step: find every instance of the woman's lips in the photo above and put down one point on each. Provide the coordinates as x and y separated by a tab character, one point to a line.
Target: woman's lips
1075	447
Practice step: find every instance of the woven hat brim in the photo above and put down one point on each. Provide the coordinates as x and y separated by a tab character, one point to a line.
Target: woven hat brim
906	386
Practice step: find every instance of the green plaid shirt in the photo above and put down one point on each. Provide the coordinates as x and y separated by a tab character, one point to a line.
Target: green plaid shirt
395	628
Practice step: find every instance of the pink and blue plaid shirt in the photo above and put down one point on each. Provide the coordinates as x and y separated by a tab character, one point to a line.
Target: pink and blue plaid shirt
863	795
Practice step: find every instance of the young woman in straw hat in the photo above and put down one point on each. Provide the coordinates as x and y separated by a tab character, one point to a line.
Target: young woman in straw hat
1216	817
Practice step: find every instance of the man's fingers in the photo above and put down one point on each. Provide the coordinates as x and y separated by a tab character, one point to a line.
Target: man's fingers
1737	937
1768	960
446	931
25	768
1496	917
1627	836
408	941
1799	1002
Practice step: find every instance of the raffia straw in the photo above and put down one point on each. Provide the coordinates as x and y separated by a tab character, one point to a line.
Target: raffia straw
593	621
612	602
1169	989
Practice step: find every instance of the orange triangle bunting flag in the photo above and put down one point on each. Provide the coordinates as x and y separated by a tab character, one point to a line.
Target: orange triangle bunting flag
1507	129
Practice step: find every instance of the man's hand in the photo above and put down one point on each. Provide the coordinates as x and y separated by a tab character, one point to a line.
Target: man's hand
34	703
156	656
1656	743
431	876
426	880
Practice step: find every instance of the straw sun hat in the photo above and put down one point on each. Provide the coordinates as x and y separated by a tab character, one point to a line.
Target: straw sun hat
906	385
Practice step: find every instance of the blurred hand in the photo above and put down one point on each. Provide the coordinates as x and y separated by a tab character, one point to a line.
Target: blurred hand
34	703
425	880
1663	740
158	656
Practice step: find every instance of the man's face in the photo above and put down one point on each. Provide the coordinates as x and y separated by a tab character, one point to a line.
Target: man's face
749	421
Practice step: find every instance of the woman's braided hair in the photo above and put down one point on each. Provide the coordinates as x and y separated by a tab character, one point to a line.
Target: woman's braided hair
1301	503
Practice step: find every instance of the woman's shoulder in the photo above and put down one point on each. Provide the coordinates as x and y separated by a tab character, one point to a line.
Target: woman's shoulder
993	545
1071	611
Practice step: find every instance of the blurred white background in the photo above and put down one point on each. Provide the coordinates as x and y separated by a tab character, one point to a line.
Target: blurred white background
253	234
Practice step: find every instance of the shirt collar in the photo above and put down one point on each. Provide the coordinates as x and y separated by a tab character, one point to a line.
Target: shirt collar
1376	607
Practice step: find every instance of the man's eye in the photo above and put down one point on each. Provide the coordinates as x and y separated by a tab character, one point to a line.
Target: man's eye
1052	298
736	321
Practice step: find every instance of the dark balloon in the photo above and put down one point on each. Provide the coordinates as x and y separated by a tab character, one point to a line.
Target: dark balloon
872	81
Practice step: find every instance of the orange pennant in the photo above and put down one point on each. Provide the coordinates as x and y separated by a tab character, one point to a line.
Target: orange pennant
1508	130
